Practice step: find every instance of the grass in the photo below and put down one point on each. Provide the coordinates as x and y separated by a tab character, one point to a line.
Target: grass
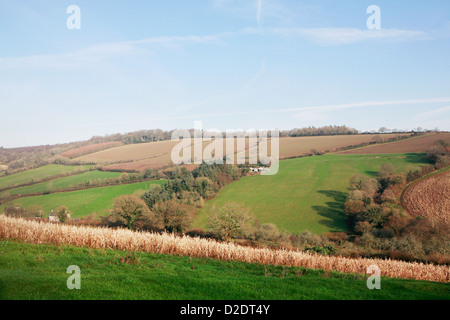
85	202
36	272
38	174
66	182
307	193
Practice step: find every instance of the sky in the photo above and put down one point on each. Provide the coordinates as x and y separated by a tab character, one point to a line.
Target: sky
232	64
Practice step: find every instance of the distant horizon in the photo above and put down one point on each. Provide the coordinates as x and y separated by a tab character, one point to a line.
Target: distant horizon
389	131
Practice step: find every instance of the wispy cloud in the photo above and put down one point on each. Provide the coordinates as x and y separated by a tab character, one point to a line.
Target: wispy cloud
313	113
102	52
257	75
433	113
259	12
340	36
304	113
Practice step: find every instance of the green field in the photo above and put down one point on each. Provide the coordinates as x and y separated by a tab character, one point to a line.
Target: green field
37	174
85	202
63	183
307	193
29	271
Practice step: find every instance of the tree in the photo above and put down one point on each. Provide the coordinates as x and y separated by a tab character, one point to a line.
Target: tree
231	220
131	209
173	216
13	210
387	169
124	177
383	130
62	212
34	211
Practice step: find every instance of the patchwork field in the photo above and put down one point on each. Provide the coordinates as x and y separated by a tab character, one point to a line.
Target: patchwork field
294	147
85	202
78	152
64	183
307	193
41	173
156	155
131	152
414	145
430	197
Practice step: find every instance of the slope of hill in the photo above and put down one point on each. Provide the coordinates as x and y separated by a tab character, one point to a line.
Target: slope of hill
114	274
158	154
307	193
39	174
91	148
64	183
85	202
418	144
430	197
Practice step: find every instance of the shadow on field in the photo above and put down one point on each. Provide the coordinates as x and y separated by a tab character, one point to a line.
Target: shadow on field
333	211
417	158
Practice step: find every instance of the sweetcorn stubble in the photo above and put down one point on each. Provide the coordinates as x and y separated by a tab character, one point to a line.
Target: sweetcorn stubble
122	239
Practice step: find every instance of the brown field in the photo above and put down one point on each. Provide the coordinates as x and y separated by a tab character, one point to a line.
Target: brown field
418	144
152	159
129	153
300	146
430	197
157	155
121	239
78	152
293	147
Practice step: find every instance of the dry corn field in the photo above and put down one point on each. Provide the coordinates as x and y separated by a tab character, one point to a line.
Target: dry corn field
430	197
121	239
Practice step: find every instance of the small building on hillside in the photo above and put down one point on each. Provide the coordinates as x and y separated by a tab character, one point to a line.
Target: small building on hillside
52	217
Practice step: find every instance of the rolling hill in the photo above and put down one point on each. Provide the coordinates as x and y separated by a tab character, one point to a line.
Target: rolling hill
307	193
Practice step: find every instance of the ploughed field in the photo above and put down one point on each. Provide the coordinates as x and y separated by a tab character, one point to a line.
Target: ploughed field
429	197
157	155
413	145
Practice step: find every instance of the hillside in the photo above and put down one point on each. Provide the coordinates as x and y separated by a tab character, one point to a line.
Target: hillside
156	155
429	197
113	274
418	144
85	202
307	193
39	174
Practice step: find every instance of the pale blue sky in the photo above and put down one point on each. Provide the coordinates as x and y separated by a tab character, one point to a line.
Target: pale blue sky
233	64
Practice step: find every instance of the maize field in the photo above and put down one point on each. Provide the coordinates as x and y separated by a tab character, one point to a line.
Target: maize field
37	232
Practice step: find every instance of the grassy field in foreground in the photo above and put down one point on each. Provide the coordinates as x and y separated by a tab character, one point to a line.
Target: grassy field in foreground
307	193
84	202
39	272
65	182
38	174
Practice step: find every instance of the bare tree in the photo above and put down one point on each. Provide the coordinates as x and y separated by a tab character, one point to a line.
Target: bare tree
231	219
